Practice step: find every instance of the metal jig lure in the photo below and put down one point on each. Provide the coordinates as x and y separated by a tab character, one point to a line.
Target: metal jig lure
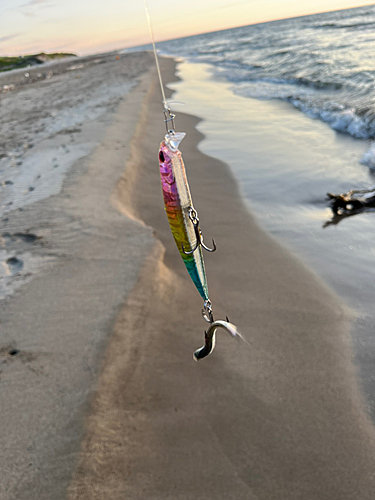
183	218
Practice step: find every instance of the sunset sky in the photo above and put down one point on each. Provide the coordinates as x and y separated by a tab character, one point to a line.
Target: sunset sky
89	26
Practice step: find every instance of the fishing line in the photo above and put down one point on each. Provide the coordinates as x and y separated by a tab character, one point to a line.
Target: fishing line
165	103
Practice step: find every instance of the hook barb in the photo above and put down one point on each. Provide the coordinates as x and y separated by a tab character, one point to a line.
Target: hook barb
191	251
193	216
209	249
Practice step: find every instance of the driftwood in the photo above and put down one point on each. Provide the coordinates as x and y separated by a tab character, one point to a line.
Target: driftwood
347	203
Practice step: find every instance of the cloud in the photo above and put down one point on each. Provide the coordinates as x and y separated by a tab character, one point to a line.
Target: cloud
8	37
31	3
28	9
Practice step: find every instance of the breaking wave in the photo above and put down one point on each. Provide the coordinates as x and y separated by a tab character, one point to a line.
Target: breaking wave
322	64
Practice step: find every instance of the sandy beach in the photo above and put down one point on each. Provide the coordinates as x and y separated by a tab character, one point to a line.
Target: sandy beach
78	256
102	398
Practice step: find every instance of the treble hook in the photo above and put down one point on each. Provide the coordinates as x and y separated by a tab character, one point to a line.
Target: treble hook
193	216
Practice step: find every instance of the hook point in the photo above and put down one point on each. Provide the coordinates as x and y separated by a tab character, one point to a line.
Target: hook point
209	249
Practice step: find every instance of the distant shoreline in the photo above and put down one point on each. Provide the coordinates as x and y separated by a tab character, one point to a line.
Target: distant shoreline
9	63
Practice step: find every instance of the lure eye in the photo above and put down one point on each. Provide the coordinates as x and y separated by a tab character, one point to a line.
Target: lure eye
161	156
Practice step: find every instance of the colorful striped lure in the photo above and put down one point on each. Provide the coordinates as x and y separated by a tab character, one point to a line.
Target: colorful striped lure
183	218
180	212
184	223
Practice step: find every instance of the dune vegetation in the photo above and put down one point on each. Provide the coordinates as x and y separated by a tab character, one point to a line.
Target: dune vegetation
8	63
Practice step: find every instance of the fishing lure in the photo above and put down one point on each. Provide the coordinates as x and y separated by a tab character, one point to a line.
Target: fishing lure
183	218
184	223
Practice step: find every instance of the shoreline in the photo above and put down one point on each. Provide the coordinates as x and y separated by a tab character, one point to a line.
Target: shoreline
285	163
283	418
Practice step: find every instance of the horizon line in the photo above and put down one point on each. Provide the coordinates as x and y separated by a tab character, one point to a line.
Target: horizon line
252	24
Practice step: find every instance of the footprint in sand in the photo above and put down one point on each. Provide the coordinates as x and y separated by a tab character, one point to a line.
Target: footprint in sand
26	237
13	352
8	238
13	266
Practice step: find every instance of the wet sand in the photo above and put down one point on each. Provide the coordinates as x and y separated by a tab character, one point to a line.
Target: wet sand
281	418
285	163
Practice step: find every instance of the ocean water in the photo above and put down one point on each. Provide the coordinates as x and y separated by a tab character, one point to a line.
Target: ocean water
322	64
289	106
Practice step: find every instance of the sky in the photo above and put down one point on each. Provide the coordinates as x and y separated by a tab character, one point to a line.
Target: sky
91	26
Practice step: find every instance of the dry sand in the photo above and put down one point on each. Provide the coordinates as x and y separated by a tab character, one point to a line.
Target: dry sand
281	418
90	256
